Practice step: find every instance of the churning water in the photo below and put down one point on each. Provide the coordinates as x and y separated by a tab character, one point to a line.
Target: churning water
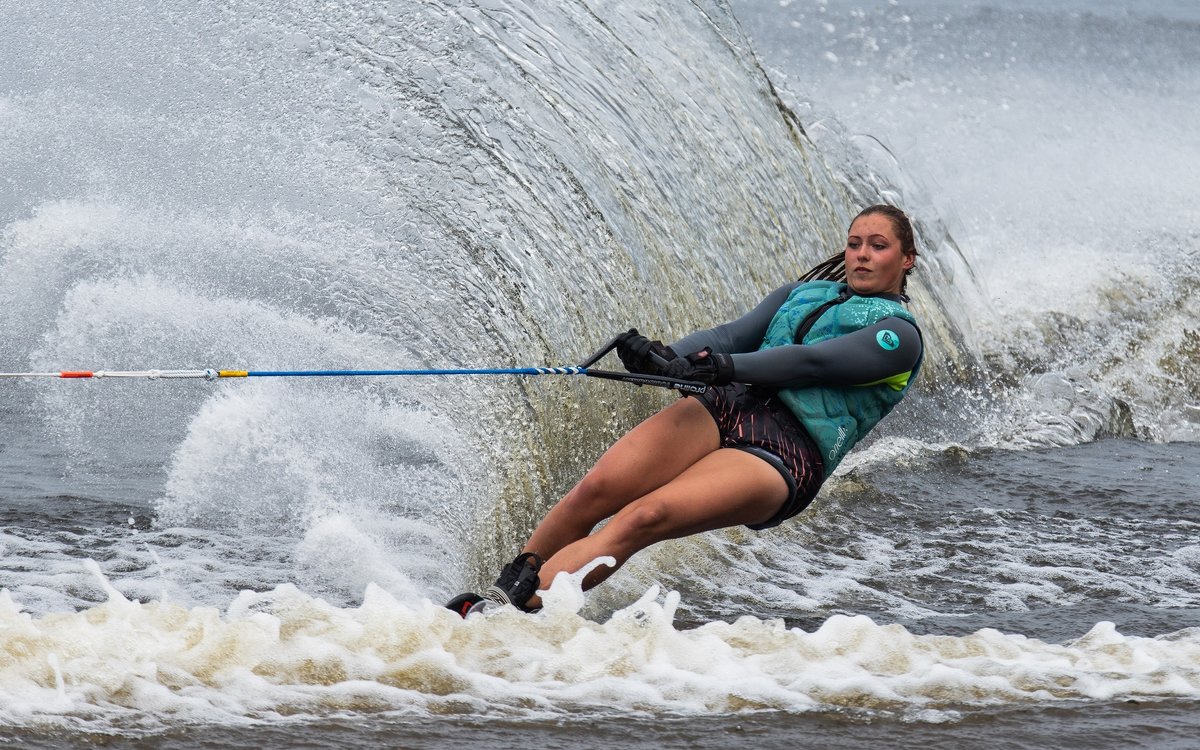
1014	561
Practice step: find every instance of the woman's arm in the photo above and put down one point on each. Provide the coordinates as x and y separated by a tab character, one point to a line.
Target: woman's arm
890	347
742	335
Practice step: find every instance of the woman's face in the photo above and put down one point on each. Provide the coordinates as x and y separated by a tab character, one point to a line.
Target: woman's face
874	260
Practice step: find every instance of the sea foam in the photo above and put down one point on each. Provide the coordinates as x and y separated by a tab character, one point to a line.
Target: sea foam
284	652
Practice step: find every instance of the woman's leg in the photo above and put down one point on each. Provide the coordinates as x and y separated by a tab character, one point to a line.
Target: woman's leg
728	487
647	457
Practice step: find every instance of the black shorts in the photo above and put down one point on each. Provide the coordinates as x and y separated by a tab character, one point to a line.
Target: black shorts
756	421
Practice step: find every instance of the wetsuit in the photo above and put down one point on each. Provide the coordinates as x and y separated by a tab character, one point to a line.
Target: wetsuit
749	412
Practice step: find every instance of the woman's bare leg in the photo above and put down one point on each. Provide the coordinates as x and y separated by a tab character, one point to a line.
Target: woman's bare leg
728	487
647	457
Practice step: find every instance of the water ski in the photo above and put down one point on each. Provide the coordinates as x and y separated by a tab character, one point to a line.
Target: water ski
464	604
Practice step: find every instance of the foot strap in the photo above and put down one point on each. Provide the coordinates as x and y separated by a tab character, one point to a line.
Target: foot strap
517	582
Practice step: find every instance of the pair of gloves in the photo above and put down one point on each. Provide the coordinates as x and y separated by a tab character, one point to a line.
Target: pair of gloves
643	356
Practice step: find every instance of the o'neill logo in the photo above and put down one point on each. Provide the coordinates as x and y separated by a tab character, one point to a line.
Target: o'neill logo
837	447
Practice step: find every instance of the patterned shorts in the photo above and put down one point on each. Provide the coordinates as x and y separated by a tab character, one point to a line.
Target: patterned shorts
756	421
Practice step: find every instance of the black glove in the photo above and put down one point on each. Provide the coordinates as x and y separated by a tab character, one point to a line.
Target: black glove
638	353
704	366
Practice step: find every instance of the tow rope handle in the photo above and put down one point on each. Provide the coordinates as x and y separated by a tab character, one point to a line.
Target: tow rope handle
660	381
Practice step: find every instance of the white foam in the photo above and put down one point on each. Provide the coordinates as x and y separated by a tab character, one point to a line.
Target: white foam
286	652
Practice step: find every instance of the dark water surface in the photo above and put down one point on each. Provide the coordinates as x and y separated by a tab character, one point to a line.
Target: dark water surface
1169	725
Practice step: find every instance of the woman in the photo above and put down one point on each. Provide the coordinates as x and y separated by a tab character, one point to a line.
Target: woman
797	382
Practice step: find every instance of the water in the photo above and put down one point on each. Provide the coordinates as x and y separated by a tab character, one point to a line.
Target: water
1013	562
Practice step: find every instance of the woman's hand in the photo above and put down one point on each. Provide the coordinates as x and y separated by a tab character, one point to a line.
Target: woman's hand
641	355
704	366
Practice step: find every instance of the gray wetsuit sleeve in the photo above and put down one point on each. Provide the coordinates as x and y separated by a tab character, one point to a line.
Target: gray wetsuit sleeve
742	335
865	356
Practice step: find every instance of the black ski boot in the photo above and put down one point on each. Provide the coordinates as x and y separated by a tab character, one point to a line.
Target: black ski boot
516	584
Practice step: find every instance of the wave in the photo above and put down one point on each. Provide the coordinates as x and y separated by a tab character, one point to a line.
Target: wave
425	185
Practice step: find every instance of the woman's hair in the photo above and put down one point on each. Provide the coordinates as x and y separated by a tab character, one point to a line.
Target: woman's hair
900	223
834	267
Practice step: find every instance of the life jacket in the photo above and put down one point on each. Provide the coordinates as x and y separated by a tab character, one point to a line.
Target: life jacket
837	417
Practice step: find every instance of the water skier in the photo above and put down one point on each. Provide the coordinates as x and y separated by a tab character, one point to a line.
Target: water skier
796	382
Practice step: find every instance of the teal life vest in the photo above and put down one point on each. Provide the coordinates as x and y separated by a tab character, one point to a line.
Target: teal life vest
837	417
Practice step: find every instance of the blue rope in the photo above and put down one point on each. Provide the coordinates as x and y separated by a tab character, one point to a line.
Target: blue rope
342	373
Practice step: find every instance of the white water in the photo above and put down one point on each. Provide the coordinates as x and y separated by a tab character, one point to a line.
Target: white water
285	653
